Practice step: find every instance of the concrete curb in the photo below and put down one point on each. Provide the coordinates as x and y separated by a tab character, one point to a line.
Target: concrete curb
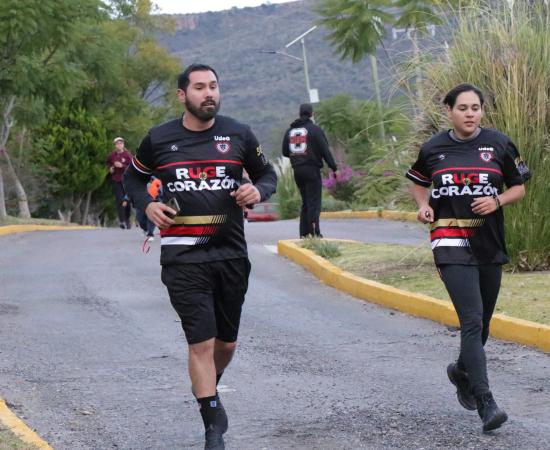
378	214
502	327
11	229
20	429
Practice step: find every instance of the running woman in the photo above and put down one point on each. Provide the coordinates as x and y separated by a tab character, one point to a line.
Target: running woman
199	158
466	168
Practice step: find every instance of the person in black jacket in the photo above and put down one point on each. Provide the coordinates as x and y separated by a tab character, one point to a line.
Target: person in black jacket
200	159
306	145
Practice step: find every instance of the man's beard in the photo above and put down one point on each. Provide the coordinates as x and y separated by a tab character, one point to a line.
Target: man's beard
201	114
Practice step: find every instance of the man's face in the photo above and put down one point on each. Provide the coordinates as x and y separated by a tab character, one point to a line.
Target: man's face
202	96
119	145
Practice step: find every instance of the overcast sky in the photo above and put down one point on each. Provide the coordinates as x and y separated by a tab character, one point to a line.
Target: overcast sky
196	6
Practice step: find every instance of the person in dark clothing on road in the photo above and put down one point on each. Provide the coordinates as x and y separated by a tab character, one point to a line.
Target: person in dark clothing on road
117	162
200	158
467	168
306	145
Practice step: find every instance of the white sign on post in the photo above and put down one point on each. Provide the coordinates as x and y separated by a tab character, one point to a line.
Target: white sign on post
313	96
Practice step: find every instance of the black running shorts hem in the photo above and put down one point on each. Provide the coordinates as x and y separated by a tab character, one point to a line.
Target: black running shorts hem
208	297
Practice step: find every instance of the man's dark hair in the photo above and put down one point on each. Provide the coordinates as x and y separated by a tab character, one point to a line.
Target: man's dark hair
306	110
452	95
183	78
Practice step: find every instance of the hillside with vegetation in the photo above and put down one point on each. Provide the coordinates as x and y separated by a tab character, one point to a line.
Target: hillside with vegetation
263	89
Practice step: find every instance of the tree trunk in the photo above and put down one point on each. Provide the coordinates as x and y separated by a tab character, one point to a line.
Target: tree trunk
7	123
77	215
85	220
22	202
374	68
3	212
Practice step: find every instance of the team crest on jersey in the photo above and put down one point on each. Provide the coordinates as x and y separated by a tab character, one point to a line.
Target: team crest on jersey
223	147
174	148
441	157
486	156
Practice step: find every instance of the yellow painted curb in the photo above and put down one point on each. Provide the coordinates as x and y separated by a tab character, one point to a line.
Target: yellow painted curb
11	229
20	429
378	214
502	327
351	215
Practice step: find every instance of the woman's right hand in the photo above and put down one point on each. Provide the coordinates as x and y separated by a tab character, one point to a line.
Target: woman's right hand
425	214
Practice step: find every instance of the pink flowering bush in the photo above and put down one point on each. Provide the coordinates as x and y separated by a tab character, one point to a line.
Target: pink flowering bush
343	185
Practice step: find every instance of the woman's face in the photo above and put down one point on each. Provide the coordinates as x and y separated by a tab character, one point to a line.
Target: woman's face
466	114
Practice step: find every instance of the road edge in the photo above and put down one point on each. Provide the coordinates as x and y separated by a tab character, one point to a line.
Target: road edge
12	229
7	417
20	428
502	327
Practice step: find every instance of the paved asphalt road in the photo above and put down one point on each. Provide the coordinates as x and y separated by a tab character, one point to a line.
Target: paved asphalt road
93	357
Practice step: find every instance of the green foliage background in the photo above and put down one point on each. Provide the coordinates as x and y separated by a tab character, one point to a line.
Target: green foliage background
511	64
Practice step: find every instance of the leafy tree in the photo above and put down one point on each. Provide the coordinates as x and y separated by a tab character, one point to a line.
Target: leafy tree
357	29
103	59
32	32
73	148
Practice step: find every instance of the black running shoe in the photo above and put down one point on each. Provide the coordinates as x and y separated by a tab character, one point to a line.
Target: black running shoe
491	415
462	383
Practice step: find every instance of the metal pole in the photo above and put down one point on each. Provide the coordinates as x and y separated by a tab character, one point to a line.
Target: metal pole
308	87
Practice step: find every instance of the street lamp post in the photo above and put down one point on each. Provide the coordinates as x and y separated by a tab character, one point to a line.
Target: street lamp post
311	93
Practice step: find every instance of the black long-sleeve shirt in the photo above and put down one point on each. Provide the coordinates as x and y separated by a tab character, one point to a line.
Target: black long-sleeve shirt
200	169
306	144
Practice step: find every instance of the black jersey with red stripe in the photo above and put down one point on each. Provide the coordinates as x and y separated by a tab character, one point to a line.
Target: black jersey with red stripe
200	170
458	172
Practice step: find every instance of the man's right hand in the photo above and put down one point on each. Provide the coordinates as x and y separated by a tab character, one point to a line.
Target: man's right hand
156	212
425	214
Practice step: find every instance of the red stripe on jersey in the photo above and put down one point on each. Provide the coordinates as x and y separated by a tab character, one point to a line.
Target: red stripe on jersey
141	166
206	161
451	232
189	231
483	169
419	175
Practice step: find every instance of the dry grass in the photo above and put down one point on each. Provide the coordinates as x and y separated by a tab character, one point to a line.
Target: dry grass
9	441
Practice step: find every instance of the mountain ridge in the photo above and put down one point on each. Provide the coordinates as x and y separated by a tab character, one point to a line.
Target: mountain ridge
265	90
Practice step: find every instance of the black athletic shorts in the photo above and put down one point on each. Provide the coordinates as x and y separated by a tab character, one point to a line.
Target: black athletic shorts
208	297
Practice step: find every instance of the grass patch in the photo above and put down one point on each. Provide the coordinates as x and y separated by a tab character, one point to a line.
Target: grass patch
9	441
321	247
11	220
524	295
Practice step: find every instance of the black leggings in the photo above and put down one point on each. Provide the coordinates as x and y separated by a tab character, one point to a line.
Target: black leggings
474	291
308	179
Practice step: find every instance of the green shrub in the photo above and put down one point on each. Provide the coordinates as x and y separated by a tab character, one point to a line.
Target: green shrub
321	247
288	196
331	204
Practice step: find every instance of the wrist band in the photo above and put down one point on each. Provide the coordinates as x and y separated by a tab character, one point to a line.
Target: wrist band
497	201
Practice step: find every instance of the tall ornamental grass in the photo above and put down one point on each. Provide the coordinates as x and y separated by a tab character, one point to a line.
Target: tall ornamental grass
504	48
288	195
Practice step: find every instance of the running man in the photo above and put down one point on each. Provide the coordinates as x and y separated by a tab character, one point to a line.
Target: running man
199	158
